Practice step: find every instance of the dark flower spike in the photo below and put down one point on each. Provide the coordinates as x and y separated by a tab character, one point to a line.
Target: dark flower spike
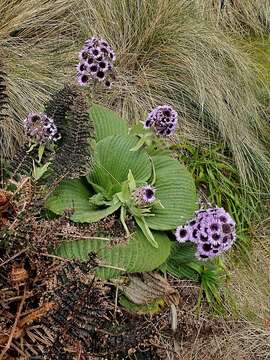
95	52
212	230
96	61
163	119
103	65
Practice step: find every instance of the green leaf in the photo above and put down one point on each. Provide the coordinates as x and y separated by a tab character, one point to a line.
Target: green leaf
98	189
70	194
41	150
175	188
98	200
182	272
113	161
39	171
137	255
123	214
107	122
138	128
131	181
73	194
183	253
32	146
147	232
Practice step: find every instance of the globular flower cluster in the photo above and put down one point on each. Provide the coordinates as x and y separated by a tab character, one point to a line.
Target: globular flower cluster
212	230
163	119
96	62
41	128
144	195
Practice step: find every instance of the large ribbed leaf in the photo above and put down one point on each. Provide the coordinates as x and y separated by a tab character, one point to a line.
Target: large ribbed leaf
113	160
138	255
107	122
177	193
74	194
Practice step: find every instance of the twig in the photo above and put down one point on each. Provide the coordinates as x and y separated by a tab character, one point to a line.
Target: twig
115	301
112	267
83	237
162	347
14	326
174	318
55	257
14	257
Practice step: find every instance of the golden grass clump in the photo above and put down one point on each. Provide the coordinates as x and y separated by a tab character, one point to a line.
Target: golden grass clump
243	342
167	53
240	16
31	34
251	284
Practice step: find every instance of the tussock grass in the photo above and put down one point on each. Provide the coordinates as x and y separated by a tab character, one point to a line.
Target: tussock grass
168	54
251	285
241	16
31	34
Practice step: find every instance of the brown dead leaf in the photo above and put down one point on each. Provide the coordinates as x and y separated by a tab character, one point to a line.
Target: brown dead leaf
148	287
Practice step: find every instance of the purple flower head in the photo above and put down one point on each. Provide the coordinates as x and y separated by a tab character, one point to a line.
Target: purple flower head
96	62
40	128
83	54
82	66
182	234
144	195
163	119
83	78
212	230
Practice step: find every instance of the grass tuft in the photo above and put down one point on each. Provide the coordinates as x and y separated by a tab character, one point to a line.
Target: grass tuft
168	54
31	34
240	17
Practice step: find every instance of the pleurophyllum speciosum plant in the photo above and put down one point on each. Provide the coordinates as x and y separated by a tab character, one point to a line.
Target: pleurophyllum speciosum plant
135	177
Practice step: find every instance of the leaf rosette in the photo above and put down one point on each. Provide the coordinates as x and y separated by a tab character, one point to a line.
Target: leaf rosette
117	170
